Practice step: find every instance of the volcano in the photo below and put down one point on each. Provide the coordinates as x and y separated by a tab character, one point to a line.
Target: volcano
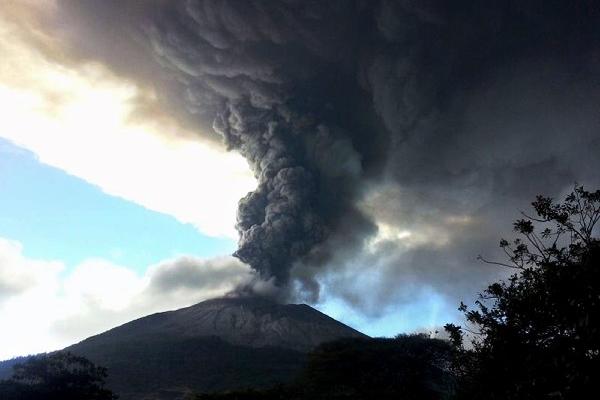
219	344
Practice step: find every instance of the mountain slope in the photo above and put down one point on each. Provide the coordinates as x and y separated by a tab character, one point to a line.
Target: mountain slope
214	345
240	321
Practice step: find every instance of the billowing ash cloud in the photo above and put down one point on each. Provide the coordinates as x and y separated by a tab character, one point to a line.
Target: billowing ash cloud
470	107
248	66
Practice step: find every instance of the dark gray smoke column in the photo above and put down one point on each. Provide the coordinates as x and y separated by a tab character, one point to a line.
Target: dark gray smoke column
325	98
278	222
266	73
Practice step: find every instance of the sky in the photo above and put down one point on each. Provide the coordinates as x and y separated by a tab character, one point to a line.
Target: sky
89	209
356	156
62	217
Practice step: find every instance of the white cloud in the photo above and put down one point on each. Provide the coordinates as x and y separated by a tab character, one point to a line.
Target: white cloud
87	122
42	308
18	275
98	283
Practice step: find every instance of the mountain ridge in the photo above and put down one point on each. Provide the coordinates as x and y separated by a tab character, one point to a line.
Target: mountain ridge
219	344
246	321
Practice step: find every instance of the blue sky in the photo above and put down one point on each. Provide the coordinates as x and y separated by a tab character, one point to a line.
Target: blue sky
58	216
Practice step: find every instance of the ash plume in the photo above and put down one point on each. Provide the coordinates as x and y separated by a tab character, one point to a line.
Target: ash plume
329	101
246	62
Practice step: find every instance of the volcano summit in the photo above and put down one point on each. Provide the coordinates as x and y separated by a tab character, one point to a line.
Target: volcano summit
218	344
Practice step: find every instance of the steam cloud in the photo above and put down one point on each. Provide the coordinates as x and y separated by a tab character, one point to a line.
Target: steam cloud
329	100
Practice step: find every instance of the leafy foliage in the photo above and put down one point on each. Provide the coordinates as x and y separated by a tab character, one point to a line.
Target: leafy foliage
56	376
278	392
6	367
407	367
537	335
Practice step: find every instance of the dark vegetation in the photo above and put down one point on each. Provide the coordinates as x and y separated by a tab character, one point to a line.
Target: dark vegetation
56	376
407	367
6	367
171	366
535	335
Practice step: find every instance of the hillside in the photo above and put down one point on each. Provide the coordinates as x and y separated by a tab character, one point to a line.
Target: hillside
215	345
252	322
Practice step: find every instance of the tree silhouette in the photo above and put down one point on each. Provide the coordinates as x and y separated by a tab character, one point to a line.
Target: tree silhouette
410	367
407	367
537	334
56	376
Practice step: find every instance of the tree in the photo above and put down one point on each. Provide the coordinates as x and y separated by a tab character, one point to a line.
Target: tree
56	376
407	367
537	334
